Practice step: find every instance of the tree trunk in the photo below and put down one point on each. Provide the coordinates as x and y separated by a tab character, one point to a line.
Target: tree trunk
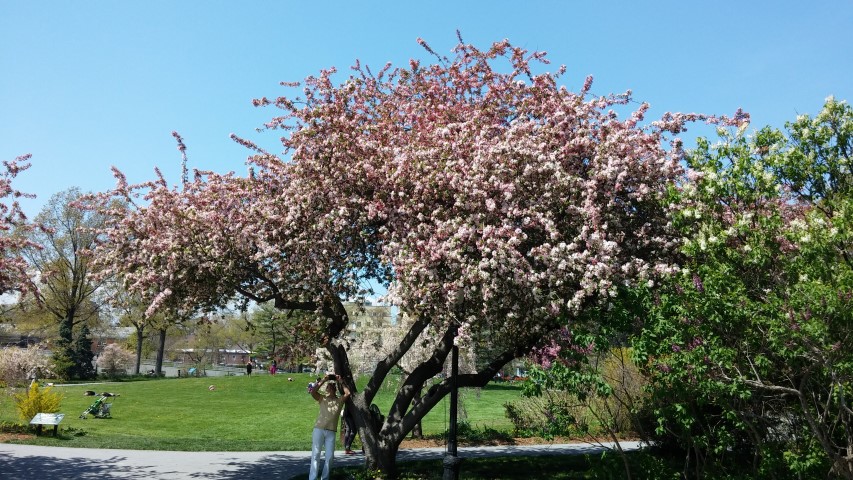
161	350
139	338
381	436
382	457
418	431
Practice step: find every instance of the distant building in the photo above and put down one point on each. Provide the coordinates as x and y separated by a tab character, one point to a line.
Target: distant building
228	357
369	331
101	337
365	318
9	337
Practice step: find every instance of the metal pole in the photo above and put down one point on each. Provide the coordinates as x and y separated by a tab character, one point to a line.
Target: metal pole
451	461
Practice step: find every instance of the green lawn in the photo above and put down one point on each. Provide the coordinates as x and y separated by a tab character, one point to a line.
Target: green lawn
242	413
264	413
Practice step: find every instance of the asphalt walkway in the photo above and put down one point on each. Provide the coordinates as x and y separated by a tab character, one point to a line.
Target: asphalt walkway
30	462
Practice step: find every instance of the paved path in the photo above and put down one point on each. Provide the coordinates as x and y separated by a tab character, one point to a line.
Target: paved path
30	462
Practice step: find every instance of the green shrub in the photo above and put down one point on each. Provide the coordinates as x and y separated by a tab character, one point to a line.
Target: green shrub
557	414
597	394
37	400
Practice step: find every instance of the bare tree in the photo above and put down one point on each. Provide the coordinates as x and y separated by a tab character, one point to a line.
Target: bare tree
67	286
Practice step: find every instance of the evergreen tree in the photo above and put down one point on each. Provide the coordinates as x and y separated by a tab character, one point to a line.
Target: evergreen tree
83	356
63	359
73	359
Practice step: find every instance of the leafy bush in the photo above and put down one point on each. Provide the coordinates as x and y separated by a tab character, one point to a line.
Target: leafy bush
37	400
596	393
748	347
557	414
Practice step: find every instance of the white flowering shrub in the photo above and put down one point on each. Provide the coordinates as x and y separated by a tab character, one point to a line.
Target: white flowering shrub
18	365
114	360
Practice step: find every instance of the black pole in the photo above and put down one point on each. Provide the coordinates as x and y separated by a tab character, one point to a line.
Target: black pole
451	461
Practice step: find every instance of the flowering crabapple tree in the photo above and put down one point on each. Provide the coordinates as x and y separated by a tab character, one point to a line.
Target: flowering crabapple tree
13	231
375	344
492	202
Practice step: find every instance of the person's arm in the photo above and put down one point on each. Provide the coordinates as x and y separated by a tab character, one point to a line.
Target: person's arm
315	393
344	385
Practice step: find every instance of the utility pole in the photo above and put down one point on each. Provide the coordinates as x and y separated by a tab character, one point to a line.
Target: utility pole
451	461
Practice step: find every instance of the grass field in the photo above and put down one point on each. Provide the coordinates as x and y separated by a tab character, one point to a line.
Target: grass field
242	413
265	413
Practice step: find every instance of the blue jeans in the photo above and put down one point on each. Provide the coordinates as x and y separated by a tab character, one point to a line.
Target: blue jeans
319	438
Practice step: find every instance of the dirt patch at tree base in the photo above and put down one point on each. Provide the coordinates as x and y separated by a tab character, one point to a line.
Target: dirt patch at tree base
10	437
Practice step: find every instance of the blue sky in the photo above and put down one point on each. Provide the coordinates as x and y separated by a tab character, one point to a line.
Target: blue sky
85	85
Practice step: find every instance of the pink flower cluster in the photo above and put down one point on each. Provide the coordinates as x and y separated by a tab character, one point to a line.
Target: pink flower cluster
487	199
14	275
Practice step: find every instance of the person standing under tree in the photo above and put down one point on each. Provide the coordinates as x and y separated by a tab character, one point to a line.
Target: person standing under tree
348	427
326	424
249	368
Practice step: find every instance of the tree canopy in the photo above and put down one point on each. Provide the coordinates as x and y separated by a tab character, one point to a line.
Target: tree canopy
747	346
13	231
490	200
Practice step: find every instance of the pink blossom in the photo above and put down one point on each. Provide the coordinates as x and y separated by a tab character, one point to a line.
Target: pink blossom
481	195
14	268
